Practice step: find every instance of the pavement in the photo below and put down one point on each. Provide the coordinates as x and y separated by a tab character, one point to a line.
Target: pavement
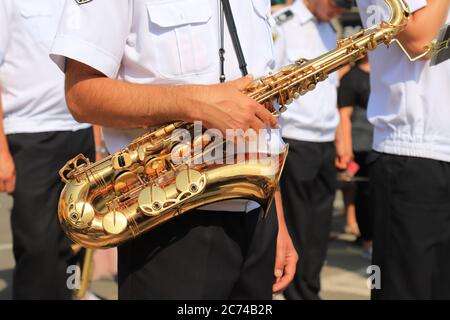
343	276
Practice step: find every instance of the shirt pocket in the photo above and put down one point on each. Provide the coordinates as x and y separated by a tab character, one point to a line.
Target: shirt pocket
266	22
181	32
39	21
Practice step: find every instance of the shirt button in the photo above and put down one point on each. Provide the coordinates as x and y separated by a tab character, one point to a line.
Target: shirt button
271	20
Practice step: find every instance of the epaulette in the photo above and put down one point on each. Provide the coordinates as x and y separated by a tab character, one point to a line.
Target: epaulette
283	16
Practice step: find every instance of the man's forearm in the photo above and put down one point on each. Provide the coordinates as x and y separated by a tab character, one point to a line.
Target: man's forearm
112	103
279	208
346	127
93	98
424	26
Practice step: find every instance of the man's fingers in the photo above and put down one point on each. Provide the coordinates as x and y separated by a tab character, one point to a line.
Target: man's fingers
241	83
290	269
287	276
281	284
279	263
339	164
257	124
10	185
266	117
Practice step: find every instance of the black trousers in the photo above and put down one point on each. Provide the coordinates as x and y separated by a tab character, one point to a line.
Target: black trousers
204	255
411	202
41	250
308	187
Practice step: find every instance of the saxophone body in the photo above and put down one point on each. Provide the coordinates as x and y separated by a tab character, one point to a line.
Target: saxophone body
130	192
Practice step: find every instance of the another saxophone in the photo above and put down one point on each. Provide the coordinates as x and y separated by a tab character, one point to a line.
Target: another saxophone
138	188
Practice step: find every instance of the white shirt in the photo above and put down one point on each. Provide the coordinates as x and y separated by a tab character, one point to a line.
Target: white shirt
314	116
32	87
409	104
162	42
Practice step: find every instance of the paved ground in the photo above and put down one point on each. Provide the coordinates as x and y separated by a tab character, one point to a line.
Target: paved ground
343	276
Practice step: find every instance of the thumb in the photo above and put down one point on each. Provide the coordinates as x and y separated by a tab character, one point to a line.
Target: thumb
279	263
241	83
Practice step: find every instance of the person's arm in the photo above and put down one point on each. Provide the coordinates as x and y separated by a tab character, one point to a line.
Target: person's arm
345	114
94	98
286	255
424	26
346	97
7	167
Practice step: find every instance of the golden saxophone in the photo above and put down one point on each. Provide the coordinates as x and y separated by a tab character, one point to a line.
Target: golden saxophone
138	188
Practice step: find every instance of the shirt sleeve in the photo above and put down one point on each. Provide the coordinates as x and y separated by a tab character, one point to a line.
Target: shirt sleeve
4	28
94	33
415	5
346	91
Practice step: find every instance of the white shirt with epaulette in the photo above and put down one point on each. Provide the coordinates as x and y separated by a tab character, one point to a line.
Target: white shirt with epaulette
409	104
298	34
31	86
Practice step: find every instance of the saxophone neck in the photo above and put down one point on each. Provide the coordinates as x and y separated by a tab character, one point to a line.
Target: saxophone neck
399	14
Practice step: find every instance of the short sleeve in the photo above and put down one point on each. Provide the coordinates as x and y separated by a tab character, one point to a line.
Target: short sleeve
5	19
415	5
346	91
93	33
373	11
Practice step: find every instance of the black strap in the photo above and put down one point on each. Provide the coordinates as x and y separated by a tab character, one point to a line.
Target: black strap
235	39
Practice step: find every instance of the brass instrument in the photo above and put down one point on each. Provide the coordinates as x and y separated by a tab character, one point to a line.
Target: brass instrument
87	272
138	188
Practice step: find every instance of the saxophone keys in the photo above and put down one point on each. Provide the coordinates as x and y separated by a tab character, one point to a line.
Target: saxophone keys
296	95
182	151
311	86
155	166
188	180
81	215
151	200
121	161
125	181
201	141
283	109
115	222
142	153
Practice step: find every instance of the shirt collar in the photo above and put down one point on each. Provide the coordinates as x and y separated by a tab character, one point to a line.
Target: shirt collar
302	12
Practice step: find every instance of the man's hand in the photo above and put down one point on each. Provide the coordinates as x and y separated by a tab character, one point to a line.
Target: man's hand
223	106
343	143
286	260
7	172
344	156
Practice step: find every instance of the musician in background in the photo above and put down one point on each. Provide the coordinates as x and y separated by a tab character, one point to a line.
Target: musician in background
357	133
37	136
134	64
410	165
308	184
